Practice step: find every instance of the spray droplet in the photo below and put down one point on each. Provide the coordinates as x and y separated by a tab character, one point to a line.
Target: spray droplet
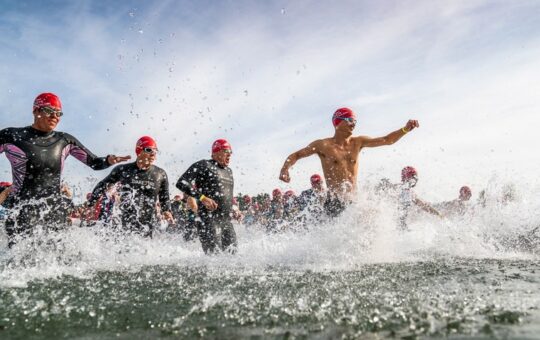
283	11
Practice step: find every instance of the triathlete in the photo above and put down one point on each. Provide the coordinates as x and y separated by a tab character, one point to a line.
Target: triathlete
37	154
339	157
211	182
458	206
408	199
140	185
313	198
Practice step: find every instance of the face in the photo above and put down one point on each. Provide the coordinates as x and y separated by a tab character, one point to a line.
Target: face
316	185
411	182
346	125
465	195
223	157
147	156
47	118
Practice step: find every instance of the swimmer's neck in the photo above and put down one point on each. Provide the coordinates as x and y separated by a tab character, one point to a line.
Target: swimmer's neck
342	138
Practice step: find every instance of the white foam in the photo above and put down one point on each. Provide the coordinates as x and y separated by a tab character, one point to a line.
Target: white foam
365	233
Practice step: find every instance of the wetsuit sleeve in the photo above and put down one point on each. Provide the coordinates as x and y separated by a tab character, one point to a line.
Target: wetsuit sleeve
187	183
164	199
101	187
79	151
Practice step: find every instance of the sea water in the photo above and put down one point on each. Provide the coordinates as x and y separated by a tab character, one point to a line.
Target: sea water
358	276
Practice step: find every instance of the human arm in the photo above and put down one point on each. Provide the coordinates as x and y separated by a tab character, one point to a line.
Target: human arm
101	187
80	152
192	204
4	194
294	157
390	138
187	183
427	207
164	200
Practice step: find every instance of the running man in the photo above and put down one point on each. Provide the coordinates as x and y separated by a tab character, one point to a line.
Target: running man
211	182
37	154
339	157
408	199
140	185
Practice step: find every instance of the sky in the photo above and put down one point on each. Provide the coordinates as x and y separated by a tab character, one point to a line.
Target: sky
268	75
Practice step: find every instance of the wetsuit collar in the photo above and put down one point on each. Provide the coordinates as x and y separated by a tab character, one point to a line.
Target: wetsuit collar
217	164
139	168
39	132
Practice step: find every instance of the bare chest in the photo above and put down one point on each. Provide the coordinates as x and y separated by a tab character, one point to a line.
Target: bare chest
337	156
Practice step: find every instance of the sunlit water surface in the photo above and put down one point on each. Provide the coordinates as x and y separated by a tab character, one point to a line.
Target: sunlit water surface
476	276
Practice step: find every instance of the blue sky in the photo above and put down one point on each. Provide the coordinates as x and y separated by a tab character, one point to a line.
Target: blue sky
268	76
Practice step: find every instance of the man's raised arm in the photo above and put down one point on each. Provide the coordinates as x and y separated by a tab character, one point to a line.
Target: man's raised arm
294	157
389	139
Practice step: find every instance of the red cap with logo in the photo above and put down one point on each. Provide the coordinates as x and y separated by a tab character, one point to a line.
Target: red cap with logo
47	99
407	173
145	142
221	144
344	112
316	179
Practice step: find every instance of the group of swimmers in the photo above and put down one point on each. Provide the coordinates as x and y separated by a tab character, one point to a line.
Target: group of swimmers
37	154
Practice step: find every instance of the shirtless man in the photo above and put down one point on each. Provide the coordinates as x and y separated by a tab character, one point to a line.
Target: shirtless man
339	157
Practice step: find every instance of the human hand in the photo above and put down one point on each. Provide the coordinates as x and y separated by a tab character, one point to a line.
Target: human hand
168	217
209	203
112	159
411	125
284	175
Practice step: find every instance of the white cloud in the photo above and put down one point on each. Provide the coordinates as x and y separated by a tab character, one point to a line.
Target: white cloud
269	81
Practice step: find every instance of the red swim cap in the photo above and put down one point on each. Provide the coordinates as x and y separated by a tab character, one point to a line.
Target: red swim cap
47	99
407	173
465	192
145	142
221	144
5	184
289	193
276	192
316	179
344	112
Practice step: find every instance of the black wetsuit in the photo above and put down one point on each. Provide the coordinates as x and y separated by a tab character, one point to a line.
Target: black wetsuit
335	206
140	191
208	178
37	159
310	202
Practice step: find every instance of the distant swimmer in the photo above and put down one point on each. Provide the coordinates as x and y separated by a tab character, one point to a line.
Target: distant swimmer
458	206
313	199
339	157
408	199
141	185
211	182
37	154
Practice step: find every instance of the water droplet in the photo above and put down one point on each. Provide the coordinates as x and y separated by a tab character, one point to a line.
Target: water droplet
283	11
140	31
246	92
